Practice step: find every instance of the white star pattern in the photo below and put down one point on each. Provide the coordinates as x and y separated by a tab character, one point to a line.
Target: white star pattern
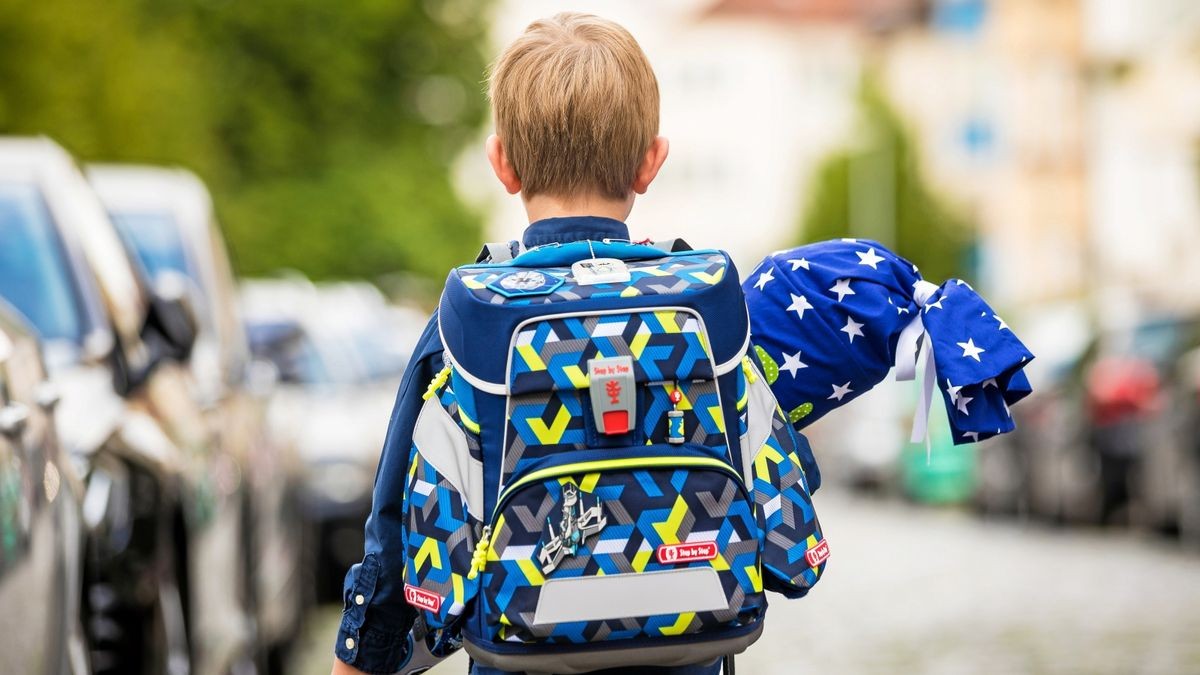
840	392
764	279
974	411
852	328
961	403
792	363
842	288
970	350
869	258
799	305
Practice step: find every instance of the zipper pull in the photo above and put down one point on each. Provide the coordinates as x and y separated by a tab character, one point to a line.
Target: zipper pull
479	557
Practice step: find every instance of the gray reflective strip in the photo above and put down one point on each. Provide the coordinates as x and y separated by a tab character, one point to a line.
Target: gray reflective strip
586	658
624	596
760	421
443	444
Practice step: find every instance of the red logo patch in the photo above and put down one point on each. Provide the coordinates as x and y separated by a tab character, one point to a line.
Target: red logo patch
613	389
421	598
693	551
817	554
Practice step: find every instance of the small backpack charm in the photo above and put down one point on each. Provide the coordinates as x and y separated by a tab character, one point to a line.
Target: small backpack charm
675	435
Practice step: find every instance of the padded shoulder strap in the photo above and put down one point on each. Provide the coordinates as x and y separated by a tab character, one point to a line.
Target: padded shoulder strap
497	252
672	245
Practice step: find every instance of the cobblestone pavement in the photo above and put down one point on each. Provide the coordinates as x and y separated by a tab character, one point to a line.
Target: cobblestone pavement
916	590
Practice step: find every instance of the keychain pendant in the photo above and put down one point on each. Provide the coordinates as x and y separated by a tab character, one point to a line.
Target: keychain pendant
675	430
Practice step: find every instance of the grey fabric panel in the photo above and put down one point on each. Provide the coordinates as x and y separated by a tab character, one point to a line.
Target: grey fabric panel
498	252
443	444
574	663
760	414
691	589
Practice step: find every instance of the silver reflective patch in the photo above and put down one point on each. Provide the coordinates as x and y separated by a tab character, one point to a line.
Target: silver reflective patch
632	595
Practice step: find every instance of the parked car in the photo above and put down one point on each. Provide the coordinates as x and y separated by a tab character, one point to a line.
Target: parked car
41	529
1045	468
1188	426
166	218
1130	386
337	384
114	347
1103	438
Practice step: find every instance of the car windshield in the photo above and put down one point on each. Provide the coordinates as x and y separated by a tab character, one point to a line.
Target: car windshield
155	239
34	275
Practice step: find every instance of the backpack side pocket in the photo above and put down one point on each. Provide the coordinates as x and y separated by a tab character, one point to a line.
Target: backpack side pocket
794	548
443	501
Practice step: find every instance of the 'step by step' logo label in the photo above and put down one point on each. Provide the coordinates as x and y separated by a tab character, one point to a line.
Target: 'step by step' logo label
421	598
817	554
673	554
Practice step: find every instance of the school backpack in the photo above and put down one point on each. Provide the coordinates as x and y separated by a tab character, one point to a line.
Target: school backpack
600	476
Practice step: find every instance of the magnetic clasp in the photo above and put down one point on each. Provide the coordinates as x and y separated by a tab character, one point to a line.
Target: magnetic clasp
616	422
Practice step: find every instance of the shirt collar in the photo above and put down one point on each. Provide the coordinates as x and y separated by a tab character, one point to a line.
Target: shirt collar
573	228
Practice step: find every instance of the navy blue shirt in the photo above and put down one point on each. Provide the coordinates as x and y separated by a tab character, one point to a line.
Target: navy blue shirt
374	633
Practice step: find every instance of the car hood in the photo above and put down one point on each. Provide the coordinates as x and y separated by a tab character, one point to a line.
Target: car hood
333	424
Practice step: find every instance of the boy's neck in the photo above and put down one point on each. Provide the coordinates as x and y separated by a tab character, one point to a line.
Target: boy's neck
540	207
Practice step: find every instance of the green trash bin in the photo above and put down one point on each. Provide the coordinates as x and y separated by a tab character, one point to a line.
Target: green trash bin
948	475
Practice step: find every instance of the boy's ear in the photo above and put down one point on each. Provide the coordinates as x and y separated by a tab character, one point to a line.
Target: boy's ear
500	165
651	163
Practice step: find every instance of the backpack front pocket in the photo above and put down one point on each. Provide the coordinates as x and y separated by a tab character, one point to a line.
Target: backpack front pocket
442	496
794	549
646	542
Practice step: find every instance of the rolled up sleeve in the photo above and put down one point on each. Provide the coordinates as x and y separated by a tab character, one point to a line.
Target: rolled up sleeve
373	635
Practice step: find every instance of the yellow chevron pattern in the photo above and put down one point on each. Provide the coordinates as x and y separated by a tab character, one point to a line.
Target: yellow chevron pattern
430	552
668	530
681	624
549	435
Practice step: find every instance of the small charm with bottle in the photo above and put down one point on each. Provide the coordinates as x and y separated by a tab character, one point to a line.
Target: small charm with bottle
675	431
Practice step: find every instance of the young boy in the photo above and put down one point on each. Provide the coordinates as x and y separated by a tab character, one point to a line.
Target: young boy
575	105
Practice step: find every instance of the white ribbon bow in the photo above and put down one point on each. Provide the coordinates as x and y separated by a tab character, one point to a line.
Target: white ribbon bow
915	341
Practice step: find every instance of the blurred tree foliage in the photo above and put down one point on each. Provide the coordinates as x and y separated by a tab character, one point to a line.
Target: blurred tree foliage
874	188
326	130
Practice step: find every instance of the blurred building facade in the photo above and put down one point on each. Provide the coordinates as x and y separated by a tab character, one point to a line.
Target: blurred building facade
1068	129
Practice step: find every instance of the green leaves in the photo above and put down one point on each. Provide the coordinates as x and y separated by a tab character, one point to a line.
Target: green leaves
875	189
325	130
800	412
770	368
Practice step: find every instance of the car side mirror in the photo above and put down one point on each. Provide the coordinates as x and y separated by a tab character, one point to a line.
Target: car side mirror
171	324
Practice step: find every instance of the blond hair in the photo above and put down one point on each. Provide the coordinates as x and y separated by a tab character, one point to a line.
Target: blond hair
575	103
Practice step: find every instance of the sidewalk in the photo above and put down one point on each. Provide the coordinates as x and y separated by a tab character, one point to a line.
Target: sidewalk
915	590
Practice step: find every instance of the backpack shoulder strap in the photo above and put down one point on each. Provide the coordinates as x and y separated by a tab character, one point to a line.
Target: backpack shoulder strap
498	252
672	245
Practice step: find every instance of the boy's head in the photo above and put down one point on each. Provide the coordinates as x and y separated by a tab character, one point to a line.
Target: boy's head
575	104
